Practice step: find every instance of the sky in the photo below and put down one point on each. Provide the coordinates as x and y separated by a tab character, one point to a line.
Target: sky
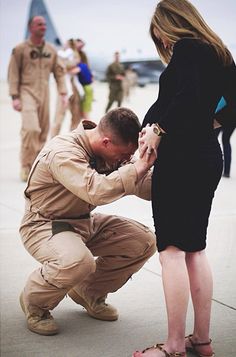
107	25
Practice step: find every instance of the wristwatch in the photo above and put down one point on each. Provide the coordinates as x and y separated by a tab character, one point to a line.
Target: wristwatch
157	130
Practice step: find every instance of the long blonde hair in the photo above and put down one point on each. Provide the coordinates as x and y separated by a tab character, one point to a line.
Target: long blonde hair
176	19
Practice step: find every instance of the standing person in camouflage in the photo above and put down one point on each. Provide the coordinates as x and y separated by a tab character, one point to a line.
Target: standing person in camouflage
28	76
115	74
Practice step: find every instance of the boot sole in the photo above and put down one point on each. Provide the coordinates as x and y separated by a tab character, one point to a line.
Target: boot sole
38	331
79	300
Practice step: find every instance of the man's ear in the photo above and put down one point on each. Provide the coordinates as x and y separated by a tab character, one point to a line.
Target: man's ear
106	141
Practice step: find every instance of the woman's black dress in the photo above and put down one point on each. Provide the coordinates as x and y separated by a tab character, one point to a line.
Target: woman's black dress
189	164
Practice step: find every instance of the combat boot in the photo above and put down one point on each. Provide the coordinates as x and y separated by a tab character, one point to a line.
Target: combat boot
38	320
96	307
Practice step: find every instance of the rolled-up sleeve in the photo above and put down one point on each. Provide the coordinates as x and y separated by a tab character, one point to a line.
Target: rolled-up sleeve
143	188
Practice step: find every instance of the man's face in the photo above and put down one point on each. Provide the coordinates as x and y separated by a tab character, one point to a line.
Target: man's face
116	154
38	26
117	57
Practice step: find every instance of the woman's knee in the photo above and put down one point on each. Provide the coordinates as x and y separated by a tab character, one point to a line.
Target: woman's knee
195	257
171	253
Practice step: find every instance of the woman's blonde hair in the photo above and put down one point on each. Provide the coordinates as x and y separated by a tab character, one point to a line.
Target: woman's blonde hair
176	19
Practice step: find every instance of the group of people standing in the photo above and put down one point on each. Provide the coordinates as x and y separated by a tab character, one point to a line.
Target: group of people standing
178	169
29	71
78	77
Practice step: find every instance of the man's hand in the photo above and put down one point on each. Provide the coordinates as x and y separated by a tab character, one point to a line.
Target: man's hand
74	70
120	77
148	141
16	103
144	163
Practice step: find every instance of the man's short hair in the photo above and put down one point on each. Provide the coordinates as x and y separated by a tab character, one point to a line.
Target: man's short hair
32	19
123	124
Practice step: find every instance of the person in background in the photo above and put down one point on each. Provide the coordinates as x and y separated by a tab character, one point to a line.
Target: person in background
226	134
83	56
129	82
179	127
115	74
75	99
91	166
85	77
70	59
28	76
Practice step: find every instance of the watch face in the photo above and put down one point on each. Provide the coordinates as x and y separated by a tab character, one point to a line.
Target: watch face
157	131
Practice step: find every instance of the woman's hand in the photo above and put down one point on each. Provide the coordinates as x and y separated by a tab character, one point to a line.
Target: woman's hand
148	141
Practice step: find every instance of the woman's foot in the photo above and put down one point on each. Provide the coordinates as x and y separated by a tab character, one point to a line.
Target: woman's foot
158	351
150	353
200	348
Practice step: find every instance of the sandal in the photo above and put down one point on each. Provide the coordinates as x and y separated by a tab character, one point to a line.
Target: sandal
167	354
194	346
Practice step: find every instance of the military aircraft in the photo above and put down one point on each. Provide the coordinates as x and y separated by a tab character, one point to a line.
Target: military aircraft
147	69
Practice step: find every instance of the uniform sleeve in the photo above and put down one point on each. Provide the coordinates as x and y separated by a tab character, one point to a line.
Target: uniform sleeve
227	116
143	188
59	75
86	183
185	101
14	70
109	74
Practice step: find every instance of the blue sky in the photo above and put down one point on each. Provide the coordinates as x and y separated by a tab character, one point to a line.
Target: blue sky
107	25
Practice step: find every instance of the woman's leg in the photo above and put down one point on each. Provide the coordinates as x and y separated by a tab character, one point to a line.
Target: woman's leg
176	290
226	134
201	287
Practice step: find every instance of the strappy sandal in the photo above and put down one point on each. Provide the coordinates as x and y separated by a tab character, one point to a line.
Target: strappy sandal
167	354
193	348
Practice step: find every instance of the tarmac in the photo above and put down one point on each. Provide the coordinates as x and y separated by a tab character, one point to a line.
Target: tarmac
140	302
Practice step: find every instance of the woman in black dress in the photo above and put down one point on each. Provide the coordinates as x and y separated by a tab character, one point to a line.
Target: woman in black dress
180	128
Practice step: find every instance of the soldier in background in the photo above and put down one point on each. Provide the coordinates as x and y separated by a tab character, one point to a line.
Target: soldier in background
28	76
115	75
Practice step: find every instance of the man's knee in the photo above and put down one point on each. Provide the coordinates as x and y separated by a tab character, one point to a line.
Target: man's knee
69	270
150	242
144	243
